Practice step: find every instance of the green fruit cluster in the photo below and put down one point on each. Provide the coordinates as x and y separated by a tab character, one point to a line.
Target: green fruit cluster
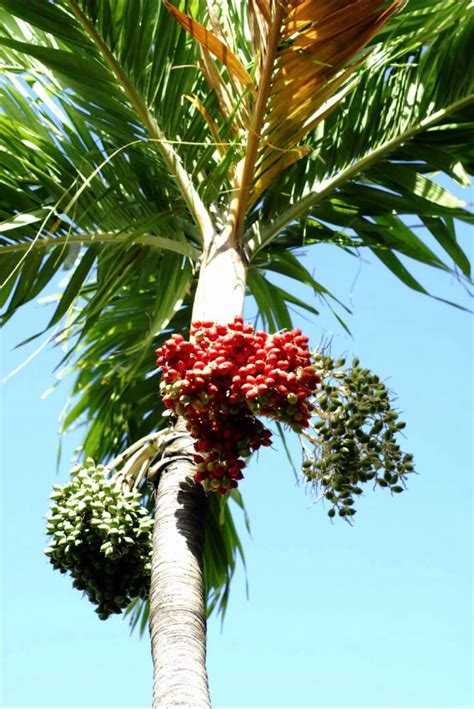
101	533
355	437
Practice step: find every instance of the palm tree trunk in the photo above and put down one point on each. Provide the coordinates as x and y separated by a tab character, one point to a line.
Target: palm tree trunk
177	608
221	286
177	612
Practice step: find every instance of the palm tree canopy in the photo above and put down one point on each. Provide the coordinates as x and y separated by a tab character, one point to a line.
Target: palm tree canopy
128	129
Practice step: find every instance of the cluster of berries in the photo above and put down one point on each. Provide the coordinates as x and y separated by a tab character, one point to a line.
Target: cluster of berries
355	437
101	534
225	377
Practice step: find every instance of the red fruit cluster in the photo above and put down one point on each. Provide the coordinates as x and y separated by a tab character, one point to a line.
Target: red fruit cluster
226	376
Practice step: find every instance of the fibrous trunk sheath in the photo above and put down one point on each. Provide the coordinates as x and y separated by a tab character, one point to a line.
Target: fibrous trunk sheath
177	607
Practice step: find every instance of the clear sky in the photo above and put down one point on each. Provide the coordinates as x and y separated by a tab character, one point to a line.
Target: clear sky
374	615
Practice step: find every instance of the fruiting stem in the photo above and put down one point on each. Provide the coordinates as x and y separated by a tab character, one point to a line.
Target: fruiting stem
146	440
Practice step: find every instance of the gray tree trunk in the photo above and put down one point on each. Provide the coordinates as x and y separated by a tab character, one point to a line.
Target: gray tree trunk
177	612
177	608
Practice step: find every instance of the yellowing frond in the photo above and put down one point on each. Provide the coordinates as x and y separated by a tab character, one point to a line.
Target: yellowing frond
212	43
318	40
305	52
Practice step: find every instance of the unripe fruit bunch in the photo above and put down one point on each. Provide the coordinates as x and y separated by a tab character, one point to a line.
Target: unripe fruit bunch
226	376
101	534
355	438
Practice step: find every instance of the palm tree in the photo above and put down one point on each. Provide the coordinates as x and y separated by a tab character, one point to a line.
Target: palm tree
173	158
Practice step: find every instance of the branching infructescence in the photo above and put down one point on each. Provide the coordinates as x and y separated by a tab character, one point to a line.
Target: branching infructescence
354	436
225	377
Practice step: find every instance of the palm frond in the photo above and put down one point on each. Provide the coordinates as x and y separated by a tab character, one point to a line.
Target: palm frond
393	108
316	42
302	55
65	181
73	42
376	157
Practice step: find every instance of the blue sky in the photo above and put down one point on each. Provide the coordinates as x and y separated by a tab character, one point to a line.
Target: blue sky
374	615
